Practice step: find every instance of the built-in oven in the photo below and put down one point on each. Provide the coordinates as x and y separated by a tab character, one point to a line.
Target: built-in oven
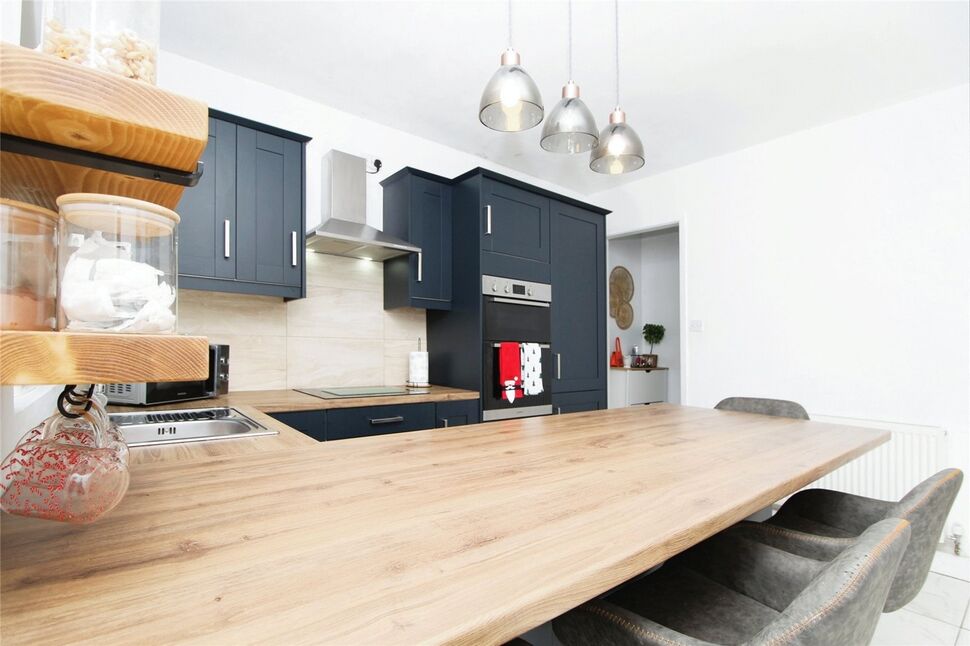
515	311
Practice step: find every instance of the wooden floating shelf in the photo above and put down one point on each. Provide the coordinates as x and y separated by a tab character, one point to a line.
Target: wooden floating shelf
46	99
83	358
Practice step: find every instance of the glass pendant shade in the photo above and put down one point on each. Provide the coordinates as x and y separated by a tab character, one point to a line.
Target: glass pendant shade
511	101
570	127
619	149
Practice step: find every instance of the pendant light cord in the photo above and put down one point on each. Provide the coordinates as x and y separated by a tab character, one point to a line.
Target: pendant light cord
616	40
509	14
570	40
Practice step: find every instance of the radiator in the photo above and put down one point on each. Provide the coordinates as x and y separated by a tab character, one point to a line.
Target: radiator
889	471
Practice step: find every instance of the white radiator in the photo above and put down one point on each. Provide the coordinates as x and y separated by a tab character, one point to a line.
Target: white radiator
889	471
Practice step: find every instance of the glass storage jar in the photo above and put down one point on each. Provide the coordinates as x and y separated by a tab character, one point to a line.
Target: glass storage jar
119	36
28	266
117	268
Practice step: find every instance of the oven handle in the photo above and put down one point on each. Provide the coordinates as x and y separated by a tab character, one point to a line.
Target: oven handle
515	301
542	346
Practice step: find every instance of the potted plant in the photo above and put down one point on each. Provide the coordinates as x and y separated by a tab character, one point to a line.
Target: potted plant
653	333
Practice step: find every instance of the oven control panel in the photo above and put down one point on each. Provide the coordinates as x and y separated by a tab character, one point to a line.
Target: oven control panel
516	289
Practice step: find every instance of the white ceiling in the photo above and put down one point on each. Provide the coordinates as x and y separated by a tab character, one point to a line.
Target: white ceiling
698	79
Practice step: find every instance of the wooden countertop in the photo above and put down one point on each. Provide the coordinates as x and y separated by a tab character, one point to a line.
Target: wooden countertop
470	534
281	401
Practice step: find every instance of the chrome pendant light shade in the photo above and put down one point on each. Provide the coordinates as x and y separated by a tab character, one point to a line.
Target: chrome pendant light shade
570	127
619	150
511	101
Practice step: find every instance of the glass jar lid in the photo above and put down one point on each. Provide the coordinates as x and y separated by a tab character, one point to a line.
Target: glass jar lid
117	215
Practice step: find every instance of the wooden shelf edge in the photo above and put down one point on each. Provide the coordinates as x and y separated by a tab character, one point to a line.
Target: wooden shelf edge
51	358
48	99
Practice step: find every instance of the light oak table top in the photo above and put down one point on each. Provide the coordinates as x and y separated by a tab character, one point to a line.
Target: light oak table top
470	534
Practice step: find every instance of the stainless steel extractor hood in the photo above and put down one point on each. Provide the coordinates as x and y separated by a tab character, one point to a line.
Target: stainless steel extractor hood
344	230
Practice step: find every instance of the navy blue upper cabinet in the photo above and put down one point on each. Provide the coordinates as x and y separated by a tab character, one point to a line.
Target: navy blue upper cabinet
417	208
515	232
208	210
578	298
242	227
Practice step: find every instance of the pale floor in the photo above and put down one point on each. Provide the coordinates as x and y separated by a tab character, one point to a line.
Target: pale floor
938	616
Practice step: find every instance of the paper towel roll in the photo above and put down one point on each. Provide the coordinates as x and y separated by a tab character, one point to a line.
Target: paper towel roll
418	369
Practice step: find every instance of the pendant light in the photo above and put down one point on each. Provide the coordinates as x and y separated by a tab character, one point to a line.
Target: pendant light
511	101
619	149
570	127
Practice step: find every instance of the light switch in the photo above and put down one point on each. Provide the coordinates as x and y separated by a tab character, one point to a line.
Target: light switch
696	325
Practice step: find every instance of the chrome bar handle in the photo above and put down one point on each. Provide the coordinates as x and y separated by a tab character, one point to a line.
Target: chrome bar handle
558	365
225	239
488	219
385	420
558	410
420	266
292	248
445	421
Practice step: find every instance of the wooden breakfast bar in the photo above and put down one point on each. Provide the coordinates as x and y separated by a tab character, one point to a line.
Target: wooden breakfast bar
471	534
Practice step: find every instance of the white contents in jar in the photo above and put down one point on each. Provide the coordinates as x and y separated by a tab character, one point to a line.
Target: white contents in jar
104	290
121	51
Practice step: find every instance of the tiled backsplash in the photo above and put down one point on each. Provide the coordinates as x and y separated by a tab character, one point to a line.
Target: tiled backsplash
339	335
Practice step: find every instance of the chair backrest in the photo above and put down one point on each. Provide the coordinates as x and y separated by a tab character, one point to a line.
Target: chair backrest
844	601
763	406
926	508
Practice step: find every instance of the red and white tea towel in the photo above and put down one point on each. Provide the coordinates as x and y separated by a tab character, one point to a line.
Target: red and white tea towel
510	370
531	371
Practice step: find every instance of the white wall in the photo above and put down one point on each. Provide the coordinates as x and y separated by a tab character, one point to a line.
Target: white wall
626	252
330	128
659	299
831	266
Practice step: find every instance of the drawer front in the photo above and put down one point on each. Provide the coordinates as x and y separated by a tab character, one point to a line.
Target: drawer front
312	423
457	413
646	387
345	423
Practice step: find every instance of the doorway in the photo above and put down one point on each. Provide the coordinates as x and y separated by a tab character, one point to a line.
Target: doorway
652	259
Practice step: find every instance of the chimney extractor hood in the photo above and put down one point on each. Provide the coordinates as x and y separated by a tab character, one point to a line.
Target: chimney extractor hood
344	230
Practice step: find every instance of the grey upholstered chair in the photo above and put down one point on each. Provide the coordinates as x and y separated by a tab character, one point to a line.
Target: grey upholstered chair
763	406
819	521
734	590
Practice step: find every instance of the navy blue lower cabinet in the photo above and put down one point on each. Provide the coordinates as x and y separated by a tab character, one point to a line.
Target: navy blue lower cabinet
457	413
345	423
311	422
580	402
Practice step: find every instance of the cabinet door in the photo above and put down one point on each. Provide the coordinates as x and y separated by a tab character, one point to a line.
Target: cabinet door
564	403
312	422
208	210
457	413
515	232
578	299
430	229
269	198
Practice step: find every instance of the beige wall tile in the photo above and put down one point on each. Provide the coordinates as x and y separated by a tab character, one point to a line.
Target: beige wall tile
209	313
396	361
336	313
255	362
340	335
311	363
334	271
406	323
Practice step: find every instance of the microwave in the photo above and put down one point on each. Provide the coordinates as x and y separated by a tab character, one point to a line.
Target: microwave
168	392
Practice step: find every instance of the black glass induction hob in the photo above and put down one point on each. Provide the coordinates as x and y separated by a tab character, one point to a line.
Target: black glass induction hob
362	391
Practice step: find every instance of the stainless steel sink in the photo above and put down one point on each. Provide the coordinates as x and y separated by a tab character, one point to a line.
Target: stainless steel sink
190	425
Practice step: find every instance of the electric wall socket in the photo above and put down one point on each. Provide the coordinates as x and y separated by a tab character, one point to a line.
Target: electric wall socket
696	325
